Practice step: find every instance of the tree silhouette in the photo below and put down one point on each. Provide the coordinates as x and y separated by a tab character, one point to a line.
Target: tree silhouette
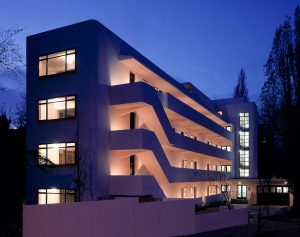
11	59
280	101
241	89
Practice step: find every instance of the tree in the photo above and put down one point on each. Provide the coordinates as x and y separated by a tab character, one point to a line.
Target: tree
84	176
11	59
241	89
280	101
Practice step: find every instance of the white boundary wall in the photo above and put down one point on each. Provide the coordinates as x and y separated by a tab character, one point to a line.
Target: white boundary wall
124	217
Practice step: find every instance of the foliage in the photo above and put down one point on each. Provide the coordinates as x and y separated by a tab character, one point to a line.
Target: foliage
11	59
241	89
280	100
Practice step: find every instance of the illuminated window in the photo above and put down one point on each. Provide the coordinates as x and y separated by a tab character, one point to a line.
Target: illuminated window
244	158
226	148
189	192
244	139
244	120
211	167
57	108
57	154
225	188
285	190
53	195
226	168
59	62
242	191
244	172
278	189
193	165
212	190
184	164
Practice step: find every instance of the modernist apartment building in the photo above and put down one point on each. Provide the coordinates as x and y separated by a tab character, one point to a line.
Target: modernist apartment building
106	122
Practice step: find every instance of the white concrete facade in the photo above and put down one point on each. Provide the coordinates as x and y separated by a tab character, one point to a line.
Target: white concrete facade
130	123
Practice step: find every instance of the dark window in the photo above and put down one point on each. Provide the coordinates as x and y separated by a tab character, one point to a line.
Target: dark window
131	77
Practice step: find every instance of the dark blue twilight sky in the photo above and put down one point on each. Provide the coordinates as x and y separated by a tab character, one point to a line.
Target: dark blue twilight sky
205	42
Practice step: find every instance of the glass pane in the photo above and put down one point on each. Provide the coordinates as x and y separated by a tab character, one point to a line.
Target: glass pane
42	57
42	155
42	198
285	189
42	112
71	51
71	97
42	68
62	53
56	110
56	153
71	62
70	108
53	198
279	189
70	155
58	99
272	189
70	198
56	65
239	192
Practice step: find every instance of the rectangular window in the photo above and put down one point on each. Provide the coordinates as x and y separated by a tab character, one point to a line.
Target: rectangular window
242	191
272	189
59	62
244	120
53	195
184	164
226	148
244	139
244	172
189	192
212	190
212	167
57	108
226	168
57	153
225	188
244	158
285	189
278	189
193	165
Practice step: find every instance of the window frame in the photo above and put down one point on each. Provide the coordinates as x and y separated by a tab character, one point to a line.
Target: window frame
65	118
59	165
237	192
60	73
61	189
244	117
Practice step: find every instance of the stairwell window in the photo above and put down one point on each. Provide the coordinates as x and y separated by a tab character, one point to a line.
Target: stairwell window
57	108
244	120
54	195
57	153
58	62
